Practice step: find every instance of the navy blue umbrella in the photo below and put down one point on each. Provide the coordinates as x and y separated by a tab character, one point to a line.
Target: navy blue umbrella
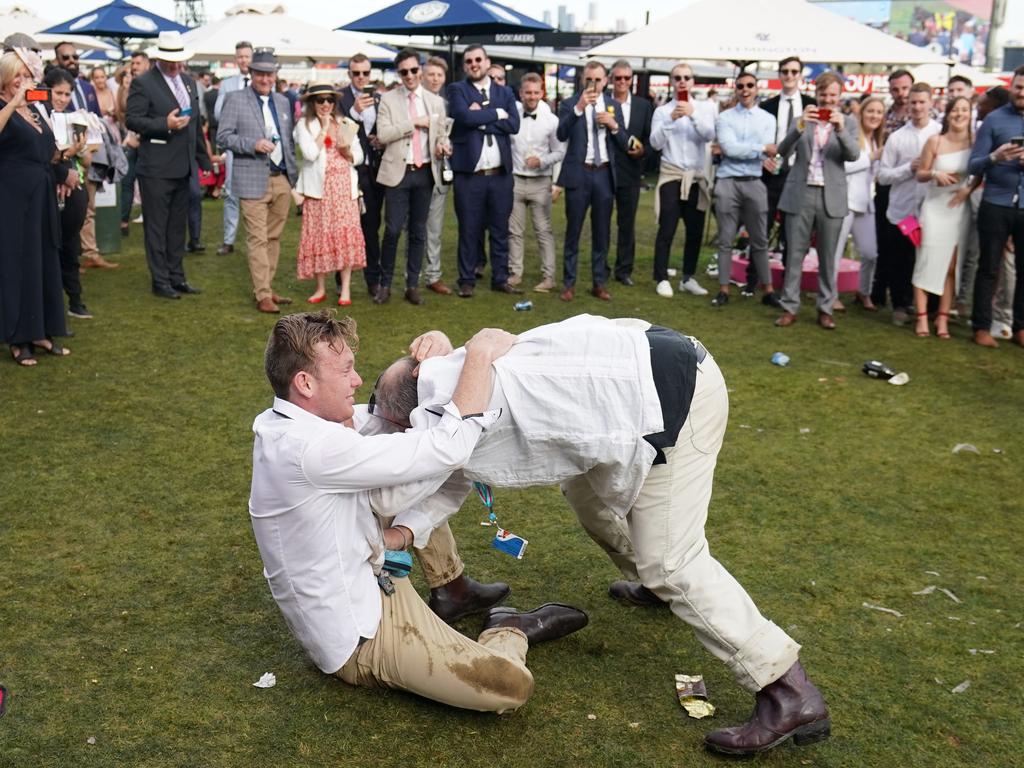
119	20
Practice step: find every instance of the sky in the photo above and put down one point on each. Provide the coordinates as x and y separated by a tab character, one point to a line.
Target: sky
314	10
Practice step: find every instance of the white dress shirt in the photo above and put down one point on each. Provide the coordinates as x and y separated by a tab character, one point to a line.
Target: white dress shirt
788	105
490	156
627	109
576	397
901	149
588	114
683	142
229	85
368	117
536	138
315	487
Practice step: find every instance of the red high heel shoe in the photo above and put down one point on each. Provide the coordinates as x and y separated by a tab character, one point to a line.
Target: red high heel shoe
344	302
943	334
926	332
316	299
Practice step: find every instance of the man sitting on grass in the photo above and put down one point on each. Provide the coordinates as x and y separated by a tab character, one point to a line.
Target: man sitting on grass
316	484
629	418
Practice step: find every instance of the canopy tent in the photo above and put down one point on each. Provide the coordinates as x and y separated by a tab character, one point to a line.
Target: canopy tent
743	32
270	26
18	19
937	75
119	20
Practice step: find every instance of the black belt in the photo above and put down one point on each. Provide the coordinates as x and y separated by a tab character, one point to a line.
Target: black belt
414	167
592	167
740	178
489	172
276	172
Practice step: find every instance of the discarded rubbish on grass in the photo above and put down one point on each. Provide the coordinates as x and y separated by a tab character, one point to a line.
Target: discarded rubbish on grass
805	430
883	609
693	696
267	680
591	717
950	595
780	359
926	591
966	448
962	687
976	651
900	379
876	369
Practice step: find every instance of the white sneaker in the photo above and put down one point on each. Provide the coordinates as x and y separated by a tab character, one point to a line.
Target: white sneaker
137	219
671	272
692	286
664	289
712	269
1001	330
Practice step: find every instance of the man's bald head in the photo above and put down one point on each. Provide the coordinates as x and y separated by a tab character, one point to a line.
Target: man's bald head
395	395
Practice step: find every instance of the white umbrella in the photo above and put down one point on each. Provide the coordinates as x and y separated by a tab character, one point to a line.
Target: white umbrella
18	19
739	30
937	75
269	26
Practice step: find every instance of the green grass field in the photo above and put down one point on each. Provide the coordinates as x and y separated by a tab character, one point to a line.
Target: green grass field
134	614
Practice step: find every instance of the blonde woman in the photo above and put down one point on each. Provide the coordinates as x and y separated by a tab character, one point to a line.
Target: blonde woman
860	192
104	95
332	238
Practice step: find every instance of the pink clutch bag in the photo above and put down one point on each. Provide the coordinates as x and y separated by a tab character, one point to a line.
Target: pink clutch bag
911	228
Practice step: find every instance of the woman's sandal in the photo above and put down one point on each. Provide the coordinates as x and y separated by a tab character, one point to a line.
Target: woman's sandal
926	332
942	334
54	348
22	354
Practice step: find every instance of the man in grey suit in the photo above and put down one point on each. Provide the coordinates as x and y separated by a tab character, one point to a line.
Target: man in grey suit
239	82
814	197
256	125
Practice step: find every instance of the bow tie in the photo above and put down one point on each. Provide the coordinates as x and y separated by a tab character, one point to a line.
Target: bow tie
531	115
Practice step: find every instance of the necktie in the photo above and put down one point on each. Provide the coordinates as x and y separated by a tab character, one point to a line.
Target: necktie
271	127
417	145
179	93
245	81
486	102
78	97
792	116
596	136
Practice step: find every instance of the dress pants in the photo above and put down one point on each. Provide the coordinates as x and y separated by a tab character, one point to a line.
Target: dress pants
812	216
164	211
968	262
531	193
483	202
662	543
406	207
742	202
898	254
880	286
996	224
862	226
88	235
774	183
128	185
1006	290
265	218
627	198
435	233
596	193
195	211
671	208
71	220
369	219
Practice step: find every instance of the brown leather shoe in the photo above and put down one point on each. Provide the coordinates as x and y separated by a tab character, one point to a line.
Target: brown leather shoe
465	291
1018	338
568	294
462	596
506	288
382	296
984	339
791	707
267	305
633	593
438	286
282	300
412	295
544	286
825	321
600	292
98	262
372	289
549	622
785	320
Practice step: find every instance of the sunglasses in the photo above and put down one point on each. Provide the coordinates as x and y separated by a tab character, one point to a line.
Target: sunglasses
681	78
789	71
69	56
409	71
324	99
622	78
477	60
358	73
745	86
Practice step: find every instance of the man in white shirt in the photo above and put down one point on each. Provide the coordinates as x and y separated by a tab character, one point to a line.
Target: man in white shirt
239	82
317	484
681	130
629	419
900	160
535	152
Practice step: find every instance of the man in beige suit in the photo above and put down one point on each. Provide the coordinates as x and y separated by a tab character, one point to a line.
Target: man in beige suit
410	124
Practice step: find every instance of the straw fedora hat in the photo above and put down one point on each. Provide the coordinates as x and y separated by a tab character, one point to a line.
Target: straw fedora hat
169	47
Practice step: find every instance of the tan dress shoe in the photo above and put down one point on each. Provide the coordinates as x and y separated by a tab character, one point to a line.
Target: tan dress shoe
785	320
825	321
281	299
98	262
438	286
267	305
515	279
568	294
544	286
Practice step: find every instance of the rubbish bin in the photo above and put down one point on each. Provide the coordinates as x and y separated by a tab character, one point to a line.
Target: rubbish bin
108	218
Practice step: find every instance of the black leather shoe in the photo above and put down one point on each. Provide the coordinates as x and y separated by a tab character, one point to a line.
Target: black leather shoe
462	596
195	248
720	300
791	707
412	295
225	248
506	288
186	288
626	280
165	292
371	288
633	593
771	300
479	272
466	291
382	295
549	622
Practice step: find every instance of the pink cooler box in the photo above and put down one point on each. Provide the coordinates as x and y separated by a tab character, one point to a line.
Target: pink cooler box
848	280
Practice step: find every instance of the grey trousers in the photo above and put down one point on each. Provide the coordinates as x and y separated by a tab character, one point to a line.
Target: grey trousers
1002	299
533	193
435	228
742	202
799	225
968	261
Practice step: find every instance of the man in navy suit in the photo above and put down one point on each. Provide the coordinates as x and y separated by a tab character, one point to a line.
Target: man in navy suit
84	95
592	125
486	117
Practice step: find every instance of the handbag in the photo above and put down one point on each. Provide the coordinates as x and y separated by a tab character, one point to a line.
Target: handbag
911	229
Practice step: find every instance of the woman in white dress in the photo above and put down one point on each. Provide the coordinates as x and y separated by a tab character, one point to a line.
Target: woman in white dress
860	185
945	216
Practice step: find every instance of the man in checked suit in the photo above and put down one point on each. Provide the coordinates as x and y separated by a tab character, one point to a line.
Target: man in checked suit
161	106
256	125
239	82
486	117
592	124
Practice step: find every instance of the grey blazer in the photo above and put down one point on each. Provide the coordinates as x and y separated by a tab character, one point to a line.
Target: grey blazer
241	126
842	147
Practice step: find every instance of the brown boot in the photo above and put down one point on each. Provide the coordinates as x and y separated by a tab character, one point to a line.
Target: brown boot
791	707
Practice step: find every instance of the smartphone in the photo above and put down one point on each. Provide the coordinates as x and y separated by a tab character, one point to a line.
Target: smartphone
369	90
683	96
38	94
824	115
635	143
591	84
1017	141
78	130
186	112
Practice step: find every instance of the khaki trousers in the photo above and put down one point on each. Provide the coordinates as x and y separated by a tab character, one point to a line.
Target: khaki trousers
440	559
88	234
533	193
662	543
264	222
415	651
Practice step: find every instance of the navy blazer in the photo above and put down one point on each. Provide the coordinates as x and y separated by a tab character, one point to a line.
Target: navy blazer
467	136
348	100
573	128
92	102
629	171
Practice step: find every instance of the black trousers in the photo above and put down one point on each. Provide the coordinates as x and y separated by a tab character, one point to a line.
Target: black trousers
71	220
195	210
627	199
671	210
164	212
997	223
406	208
900	257
880	285
373	202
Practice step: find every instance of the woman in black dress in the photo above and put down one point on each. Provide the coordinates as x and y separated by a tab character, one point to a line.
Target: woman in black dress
31	301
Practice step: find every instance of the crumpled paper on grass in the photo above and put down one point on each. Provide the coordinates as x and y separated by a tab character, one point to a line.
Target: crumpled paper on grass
267	680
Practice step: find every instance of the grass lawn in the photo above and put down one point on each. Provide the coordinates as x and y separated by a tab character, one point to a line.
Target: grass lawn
134	614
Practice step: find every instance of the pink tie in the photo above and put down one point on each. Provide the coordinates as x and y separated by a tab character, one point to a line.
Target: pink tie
417	146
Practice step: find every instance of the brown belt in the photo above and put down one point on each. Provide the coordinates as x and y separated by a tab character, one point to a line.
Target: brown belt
489	172
592	167
414	167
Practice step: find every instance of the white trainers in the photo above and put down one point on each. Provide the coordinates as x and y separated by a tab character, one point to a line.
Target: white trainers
664	289
692	286
712	269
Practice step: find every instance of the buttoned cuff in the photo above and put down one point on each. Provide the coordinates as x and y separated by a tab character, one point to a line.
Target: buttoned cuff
483	419
417	522
502	114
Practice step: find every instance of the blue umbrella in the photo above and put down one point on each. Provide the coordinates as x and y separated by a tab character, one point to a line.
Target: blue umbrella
119	20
